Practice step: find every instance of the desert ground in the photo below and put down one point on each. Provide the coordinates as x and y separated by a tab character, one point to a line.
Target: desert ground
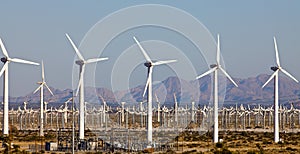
249	142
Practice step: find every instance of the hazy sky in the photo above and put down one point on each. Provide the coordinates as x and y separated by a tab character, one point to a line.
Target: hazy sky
35	30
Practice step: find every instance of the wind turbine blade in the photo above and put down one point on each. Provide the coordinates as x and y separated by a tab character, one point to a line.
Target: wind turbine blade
228	76
17	60
156	98
271	77
163	62
93	60
48	88
38	88
218	50
146	87
206	73
80	79
75	48
143	51
43	72
148	81
102	98
68	100
3	49
79	85
289	75
4	68
276	52
175	99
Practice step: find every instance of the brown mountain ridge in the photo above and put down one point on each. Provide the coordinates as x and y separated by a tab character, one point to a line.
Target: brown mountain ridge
199	91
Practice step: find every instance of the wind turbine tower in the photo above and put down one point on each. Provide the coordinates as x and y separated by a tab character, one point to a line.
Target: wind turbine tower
158	109
215	68
175	108
193	111
122	112
6	60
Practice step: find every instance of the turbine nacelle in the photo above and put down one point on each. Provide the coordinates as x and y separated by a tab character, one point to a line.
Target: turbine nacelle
148	64
274	68
213	65
4	59
79	62
39	82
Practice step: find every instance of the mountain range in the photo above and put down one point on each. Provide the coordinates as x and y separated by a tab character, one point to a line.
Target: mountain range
199	91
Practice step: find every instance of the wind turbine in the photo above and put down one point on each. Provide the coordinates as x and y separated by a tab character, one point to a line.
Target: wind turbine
104	111
81	62
276	70
149	64
65	110
6	60
214	69
41	88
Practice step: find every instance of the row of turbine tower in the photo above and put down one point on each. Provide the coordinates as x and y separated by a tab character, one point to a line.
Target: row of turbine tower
232	117
215	68
133	118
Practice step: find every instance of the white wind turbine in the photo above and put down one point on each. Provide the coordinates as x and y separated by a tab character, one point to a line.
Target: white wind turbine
6	60
215	68
149	64
81	62
41	88
276	70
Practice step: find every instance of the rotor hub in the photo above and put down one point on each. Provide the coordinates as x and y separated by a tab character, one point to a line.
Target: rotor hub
79	62
274	68
148	64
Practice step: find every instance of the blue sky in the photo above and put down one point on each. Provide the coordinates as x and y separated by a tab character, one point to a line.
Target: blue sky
34	30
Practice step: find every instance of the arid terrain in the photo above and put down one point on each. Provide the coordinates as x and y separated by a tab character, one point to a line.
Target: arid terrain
239	142
187	142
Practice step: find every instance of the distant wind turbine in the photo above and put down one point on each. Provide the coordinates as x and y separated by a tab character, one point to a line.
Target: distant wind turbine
215	68
149	64
81	62
276	70
104	110
6	60
41	88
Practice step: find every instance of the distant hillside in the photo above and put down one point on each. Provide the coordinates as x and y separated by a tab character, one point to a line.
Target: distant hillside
248	92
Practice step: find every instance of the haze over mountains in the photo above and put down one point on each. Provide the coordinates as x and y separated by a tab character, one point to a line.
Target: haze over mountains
248	92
